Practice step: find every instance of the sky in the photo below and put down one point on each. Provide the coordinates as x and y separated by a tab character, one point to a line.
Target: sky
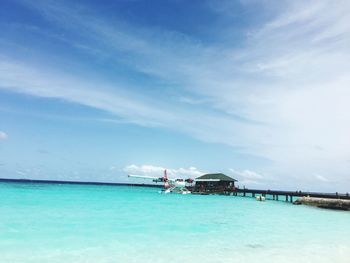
259	90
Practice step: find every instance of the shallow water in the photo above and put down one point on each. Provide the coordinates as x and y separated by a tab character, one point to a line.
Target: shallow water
87	223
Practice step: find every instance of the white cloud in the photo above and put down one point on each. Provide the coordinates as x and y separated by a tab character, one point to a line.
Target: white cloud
247	174
3	135
21	173
151	170
249	183
112	168
283	95
249	178
26	78
321	178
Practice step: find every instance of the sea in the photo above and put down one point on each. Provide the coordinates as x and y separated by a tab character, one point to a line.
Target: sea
124	224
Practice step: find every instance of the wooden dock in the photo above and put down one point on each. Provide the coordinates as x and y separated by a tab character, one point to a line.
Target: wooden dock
288	196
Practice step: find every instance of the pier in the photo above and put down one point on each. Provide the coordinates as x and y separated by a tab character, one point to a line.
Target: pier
219	183
288	196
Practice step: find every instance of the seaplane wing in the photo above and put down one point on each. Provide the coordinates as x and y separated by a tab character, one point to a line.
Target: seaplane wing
142	176
153	178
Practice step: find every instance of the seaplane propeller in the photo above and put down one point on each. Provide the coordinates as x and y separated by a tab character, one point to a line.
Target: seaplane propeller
189	180
176	185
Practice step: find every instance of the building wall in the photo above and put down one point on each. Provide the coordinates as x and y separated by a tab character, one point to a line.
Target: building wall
216	187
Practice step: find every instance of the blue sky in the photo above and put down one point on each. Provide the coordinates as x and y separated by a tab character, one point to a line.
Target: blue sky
259	90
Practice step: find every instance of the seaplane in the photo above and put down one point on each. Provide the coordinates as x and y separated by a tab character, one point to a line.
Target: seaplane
176	185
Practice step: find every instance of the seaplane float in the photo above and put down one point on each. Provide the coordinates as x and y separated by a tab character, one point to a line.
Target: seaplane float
171	185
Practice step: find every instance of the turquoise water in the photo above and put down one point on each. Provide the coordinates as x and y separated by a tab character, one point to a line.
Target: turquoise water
86	223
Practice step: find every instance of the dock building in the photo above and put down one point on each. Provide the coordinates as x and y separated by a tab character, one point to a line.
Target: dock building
214	183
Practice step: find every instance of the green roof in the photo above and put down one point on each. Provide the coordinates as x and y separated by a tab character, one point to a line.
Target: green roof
217	176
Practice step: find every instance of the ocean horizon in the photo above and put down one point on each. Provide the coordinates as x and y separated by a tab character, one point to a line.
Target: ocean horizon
101	223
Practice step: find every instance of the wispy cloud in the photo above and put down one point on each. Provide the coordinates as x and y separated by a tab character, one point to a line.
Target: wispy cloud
247	174
248	177
3	135
26	78
151	170
321	178
282	93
